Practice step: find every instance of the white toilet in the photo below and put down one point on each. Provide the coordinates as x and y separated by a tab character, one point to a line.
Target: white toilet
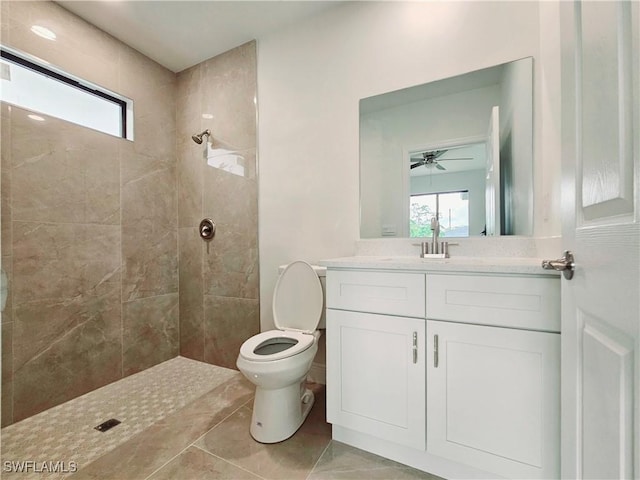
278	361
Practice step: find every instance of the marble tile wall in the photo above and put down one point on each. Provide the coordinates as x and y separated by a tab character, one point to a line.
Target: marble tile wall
219	298
108	275
89	224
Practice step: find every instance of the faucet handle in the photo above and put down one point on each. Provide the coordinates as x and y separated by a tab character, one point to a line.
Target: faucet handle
445	247
424	248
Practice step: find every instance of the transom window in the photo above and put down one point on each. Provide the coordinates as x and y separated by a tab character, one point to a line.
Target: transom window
40	88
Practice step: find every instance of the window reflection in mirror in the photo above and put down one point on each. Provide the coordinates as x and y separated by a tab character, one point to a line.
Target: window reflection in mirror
451	209
435	138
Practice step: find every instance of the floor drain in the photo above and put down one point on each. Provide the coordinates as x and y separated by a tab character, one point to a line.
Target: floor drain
104	426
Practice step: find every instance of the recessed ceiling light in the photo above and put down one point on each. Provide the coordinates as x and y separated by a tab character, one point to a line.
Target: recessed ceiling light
208	116
43	32
37	118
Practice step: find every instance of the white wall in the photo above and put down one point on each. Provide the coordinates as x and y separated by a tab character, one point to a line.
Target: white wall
547	123
310	79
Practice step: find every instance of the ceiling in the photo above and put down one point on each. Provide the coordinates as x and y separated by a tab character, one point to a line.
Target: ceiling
180	34
438	88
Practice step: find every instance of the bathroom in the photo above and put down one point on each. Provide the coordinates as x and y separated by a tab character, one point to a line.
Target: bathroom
125	283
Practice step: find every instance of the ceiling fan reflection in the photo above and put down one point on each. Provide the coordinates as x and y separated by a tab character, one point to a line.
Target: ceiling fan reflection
429	159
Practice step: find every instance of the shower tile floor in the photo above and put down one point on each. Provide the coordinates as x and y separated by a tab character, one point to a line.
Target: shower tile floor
181	419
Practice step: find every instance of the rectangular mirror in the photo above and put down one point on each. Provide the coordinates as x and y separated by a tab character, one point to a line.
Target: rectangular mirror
460	149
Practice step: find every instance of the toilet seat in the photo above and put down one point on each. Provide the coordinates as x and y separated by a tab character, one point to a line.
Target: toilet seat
247	350
297	308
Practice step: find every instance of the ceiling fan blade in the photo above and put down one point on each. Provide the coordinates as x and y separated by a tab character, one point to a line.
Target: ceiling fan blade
418	164
439	167
430	155
461	158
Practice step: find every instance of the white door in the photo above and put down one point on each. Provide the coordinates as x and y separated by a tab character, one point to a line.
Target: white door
601	214
492	188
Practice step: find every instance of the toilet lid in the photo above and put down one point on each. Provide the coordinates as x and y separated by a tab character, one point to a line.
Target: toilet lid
298	299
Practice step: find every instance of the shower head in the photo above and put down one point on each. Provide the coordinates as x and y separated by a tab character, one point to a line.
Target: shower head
198	138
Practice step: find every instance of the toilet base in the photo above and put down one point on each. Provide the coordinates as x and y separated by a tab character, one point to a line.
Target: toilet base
279	413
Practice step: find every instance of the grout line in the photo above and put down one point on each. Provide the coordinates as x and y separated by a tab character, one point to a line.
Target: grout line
227	461
93	224
320	457
220	422
12	280
204	247
167	462
176	171
122	267
193	443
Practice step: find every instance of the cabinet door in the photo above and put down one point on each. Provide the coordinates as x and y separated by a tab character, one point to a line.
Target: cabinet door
376	375
493	398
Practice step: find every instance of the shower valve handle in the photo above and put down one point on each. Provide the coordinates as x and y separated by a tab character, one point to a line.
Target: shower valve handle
207	229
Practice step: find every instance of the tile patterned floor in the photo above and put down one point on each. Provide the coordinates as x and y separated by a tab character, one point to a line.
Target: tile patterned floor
191	422
66	432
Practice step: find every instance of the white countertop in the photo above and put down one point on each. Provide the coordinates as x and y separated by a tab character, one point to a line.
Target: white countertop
499	265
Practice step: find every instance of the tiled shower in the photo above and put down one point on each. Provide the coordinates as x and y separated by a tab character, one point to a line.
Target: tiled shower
107	273
219	291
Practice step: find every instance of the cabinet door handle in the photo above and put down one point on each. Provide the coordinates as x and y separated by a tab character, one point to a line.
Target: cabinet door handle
435	351
415	347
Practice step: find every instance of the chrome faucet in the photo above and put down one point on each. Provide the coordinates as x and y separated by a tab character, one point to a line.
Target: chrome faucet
438	249
435	229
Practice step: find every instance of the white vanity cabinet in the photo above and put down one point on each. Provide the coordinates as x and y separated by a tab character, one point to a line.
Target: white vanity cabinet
375	361
456	374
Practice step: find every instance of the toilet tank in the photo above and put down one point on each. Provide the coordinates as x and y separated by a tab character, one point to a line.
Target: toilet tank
322	274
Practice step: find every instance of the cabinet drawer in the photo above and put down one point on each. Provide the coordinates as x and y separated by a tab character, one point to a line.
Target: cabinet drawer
377	292
531	303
